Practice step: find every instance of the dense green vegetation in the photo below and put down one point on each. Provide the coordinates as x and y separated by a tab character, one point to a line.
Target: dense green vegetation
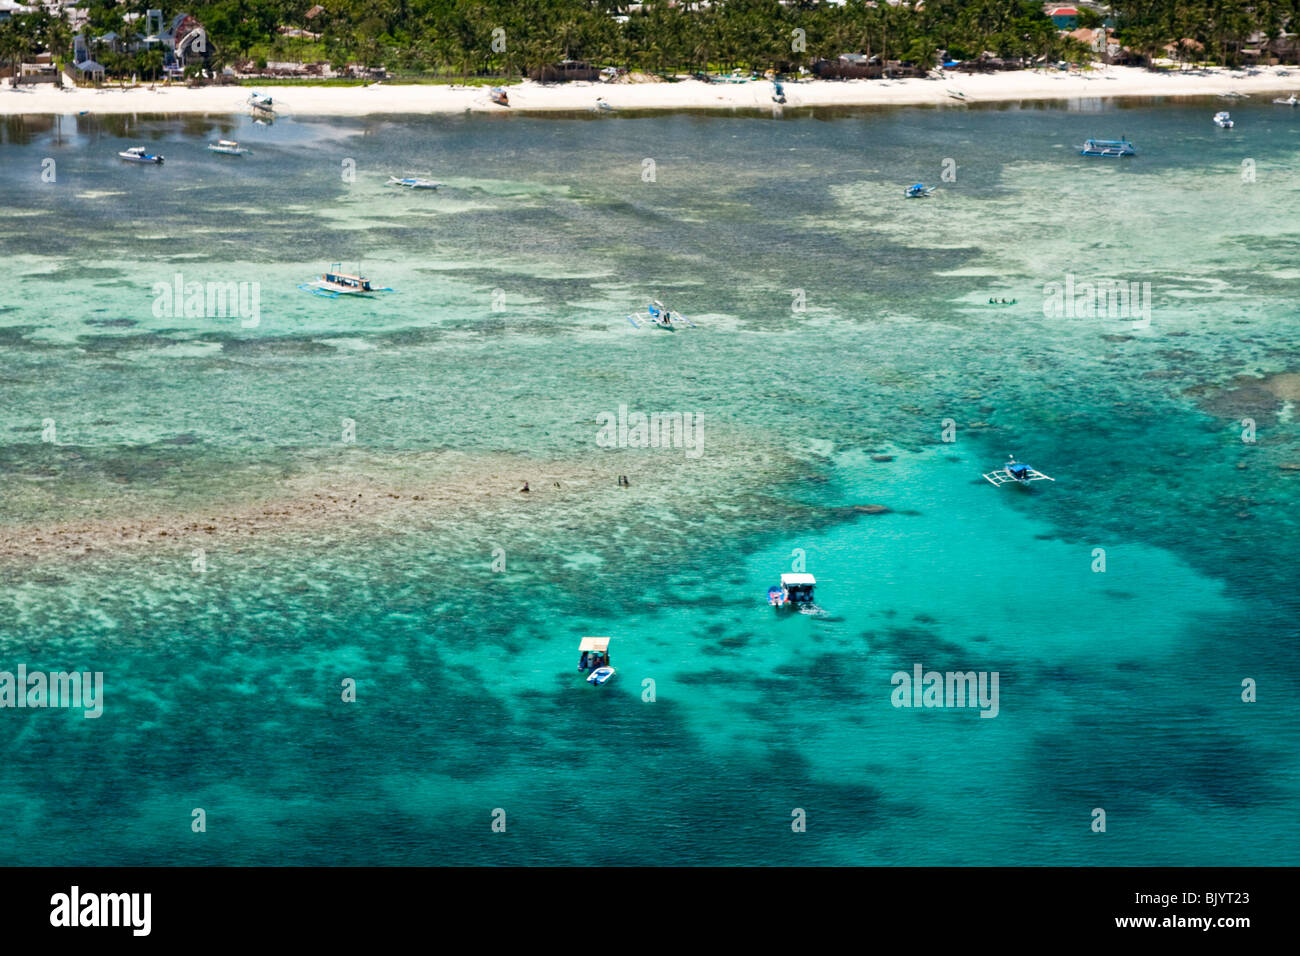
507	37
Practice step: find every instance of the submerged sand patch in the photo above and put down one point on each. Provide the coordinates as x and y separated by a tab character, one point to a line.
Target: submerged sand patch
397	493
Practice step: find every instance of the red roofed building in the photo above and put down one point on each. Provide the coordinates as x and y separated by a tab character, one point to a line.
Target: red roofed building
1065	18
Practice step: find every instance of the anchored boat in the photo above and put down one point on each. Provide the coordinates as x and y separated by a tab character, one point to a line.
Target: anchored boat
659	314
1107	147
795	590
412	182
335	283
137	154
229	147
499	96
919	191
1223	120
1016	471
595	658
1291	100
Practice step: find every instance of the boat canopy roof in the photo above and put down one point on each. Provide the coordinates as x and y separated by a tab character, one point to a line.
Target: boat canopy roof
594	644
797	579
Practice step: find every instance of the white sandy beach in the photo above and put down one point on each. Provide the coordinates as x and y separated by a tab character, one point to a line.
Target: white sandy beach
381	98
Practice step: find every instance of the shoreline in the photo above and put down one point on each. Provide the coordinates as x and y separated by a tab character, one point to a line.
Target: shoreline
1113	82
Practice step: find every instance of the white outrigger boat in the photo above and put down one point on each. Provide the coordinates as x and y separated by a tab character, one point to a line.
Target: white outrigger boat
659	314
138	154
335	283
1223	120
1016	471
229	147
1291	100
595	658
260	101
413	182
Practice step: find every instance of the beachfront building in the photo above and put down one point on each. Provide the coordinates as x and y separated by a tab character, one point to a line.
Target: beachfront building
1064	18
1261	49
183	43
8	8
1104	44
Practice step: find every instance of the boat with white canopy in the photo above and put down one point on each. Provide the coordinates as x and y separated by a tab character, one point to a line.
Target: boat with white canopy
595	658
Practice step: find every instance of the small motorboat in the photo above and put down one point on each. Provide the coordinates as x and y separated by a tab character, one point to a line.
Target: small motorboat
335	283
229	147
1223	120
412	182
919	191
1107	147
659	314
1016	471
595	658
1291	100
499	96
795	590
138	154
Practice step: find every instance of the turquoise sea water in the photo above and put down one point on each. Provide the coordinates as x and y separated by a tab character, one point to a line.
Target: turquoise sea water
505	340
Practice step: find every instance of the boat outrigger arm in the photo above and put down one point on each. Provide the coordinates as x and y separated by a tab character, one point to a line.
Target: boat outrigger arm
1016	471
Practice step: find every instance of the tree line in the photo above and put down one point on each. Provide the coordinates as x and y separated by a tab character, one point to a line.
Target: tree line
508	38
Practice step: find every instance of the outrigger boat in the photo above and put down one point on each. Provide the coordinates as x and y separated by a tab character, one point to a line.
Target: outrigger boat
499	96
1016	471
595	658
796	590
603	104
778	92
260	101
919	191
1107	147
1291	100
414	183
335	283
229	147
1223	120
660	315
137	154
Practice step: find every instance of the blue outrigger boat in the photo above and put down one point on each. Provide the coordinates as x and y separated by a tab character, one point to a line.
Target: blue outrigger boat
1016	471
1107	147
919	191
659	314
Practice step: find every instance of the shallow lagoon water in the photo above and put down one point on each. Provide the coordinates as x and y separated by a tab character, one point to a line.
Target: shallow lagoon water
1118	690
